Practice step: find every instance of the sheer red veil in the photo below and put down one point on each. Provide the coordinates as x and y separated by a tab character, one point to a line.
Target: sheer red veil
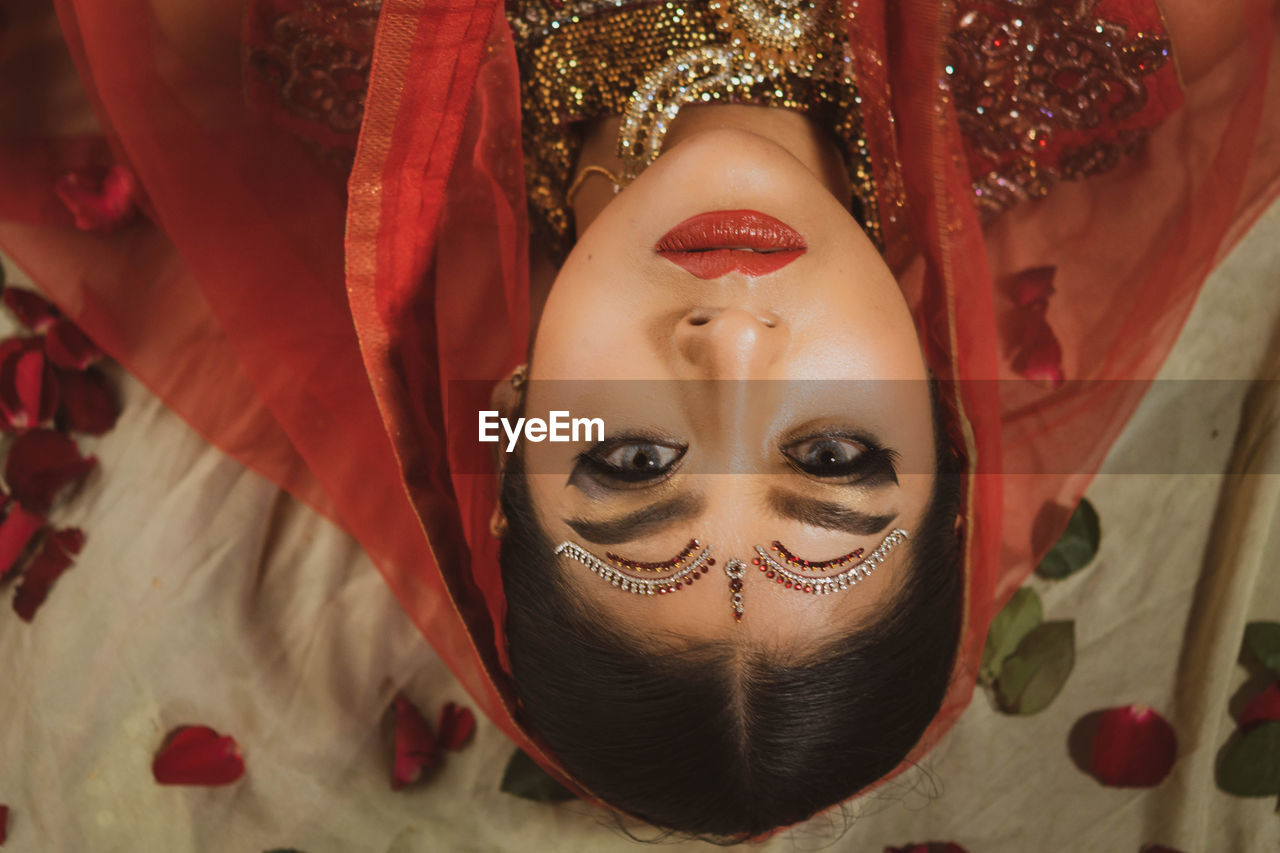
309	320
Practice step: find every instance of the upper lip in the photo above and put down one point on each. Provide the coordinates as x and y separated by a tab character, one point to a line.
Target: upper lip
744	230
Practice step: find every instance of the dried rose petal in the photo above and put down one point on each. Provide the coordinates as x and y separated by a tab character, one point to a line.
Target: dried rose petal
54	559
69	347
16	531
928	847
1135	747
456	726
1033	287
197	755
415	749
1263	708
31	309
88	402
42	463
99	201
28	384
4	823
1158	848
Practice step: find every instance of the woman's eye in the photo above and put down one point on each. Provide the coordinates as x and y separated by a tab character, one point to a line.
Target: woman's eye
634	461
825	456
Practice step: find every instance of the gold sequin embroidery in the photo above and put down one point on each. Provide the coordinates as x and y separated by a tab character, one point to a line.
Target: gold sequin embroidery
644	61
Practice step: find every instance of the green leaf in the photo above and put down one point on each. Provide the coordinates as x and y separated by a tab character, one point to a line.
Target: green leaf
1076	548
1251	767
524	778
1034	675
1263	639
1023	613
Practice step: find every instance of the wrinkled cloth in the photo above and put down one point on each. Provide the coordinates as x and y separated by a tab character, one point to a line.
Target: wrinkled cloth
207	595
310	326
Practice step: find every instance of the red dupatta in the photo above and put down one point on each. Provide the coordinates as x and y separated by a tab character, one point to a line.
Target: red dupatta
228	299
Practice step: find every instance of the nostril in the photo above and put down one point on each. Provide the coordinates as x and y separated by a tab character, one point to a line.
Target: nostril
699	319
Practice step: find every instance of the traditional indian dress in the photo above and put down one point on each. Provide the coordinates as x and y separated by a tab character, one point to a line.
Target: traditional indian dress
310	251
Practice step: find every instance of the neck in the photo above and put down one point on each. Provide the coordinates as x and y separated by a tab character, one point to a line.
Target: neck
804	139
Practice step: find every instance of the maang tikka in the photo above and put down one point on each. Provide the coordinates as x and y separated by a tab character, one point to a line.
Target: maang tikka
620	571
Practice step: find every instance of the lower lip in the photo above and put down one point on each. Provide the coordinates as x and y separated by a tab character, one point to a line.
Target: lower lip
714	244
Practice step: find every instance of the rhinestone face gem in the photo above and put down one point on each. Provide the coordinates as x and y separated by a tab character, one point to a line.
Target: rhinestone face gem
832	583
638	584
735	569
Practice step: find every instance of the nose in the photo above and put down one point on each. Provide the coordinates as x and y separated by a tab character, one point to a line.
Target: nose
730	343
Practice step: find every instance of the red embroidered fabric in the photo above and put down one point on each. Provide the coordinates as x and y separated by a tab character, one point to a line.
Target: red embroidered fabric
312	333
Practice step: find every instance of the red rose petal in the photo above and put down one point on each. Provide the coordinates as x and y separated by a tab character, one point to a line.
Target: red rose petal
42	463
1263	708
31	309
4	823
1033	287
69	539
197	755
88	402
928	847
416	749
456	726
99	201
1135	747
1037	353
69	347
16	531
54	559
28	384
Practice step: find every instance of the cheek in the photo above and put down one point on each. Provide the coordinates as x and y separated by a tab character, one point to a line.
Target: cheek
863	340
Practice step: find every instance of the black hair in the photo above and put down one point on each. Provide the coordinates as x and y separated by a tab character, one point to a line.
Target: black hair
715	740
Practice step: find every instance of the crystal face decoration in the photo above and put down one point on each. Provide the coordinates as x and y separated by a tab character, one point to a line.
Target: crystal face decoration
824	585
636	584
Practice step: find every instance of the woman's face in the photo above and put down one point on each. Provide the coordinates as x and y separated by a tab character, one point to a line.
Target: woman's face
741	405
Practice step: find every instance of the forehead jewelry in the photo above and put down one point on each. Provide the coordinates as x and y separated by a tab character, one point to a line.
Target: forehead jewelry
789	578
735	569
622	578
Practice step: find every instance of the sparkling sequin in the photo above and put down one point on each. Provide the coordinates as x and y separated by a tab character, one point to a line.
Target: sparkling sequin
645	61
1029	76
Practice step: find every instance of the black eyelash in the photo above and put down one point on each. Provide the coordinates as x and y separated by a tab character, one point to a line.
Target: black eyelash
591	460
876	464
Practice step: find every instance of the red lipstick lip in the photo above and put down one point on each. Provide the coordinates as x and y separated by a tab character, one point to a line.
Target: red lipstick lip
717	243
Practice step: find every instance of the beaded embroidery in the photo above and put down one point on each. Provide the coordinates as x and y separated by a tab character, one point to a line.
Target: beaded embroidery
307	64
1038	84
645	60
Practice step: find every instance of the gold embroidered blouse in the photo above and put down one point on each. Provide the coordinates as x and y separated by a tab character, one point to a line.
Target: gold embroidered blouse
584	59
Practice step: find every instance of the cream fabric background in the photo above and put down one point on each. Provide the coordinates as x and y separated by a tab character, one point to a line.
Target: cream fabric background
204	595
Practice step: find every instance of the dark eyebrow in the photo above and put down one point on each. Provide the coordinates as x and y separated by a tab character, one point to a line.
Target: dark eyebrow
831	516
633	525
